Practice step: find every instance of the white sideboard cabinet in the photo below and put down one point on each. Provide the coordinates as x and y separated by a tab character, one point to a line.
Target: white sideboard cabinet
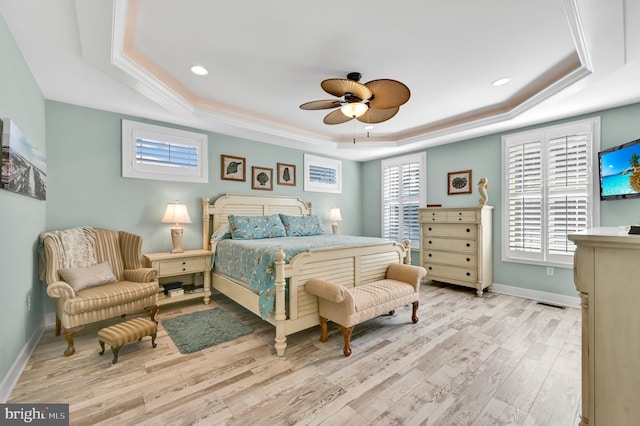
455	245
607	275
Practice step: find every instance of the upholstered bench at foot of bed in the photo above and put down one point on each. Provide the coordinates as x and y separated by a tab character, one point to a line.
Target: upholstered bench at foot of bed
348	307
118	335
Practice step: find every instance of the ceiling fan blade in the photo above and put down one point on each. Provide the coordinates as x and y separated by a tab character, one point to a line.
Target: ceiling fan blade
388	93
336	117
341	86
327	104
376	115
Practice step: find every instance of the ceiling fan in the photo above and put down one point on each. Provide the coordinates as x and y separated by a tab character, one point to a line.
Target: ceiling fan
372	102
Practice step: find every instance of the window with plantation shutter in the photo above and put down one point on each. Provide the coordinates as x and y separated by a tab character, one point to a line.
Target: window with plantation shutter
162	153
549	191
323	175
524	180
167	154
403	191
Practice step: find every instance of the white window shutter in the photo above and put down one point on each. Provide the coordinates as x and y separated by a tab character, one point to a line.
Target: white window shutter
524	183
163	153
160	153
569	168
548	191
391	202
402	193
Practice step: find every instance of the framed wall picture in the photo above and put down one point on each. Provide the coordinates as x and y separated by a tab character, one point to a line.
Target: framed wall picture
322	174
286	174
24	167
459	182
261	178
233	168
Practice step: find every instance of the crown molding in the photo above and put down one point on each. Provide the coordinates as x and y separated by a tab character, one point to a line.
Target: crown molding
135	70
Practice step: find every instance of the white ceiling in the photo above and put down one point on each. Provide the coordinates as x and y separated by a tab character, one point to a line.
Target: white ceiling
564	58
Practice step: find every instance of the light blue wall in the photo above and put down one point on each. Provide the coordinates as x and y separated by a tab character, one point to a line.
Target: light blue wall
483	156
87	187
22	218
620	125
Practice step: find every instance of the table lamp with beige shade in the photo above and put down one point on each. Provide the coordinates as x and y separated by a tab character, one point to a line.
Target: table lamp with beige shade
176	213
335	217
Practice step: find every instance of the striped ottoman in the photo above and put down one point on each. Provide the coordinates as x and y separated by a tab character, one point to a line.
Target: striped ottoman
118	335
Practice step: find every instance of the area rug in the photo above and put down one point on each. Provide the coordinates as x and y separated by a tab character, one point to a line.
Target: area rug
203	329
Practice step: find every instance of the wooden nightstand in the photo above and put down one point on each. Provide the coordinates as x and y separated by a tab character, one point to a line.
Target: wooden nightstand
184	268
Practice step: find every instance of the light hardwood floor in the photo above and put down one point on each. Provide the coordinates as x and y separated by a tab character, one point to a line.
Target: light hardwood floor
495	360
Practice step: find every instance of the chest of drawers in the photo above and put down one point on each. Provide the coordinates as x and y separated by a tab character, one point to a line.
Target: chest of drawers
606	271
456	245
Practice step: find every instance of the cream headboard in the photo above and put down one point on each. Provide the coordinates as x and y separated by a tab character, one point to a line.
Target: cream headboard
215	214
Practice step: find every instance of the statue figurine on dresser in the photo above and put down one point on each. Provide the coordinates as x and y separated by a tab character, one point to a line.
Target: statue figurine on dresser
482	190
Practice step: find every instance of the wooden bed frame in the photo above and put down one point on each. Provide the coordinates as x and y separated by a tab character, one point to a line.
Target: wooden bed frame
347	265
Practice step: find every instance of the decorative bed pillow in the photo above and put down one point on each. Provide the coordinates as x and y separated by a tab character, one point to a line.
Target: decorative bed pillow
302	226
256	227
81	278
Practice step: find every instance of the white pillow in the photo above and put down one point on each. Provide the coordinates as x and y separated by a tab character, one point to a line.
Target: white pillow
81	278
222	233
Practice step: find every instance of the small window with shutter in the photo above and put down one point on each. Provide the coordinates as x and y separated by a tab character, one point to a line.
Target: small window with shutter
403	191
163	153
549	191
322	174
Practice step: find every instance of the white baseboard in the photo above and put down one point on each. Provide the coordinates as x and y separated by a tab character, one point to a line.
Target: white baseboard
12	376
540	296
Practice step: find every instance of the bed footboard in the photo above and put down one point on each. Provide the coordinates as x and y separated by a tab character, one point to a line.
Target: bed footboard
348	266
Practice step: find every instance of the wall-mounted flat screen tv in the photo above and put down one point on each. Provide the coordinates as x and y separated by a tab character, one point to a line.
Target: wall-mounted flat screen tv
620	171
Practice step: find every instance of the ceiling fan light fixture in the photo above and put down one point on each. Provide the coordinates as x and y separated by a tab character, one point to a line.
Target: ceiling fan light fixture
354	109
370	103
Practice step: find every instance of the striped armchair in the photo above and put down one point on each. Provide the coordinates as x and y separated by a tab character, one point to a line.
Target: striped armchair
93	275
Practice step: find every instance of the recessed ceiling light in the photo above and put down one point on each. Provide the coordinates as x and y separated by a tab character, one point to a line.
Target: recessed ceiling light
199	70
500	82
369	127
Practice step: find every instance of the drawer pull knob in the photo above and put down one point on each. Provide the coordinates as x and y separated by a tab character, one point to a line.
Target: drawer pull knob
184	263
468	230
429	254
184	269
468	260
468	244
430	268
430	242
468	274
459	213
429	229
460	219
